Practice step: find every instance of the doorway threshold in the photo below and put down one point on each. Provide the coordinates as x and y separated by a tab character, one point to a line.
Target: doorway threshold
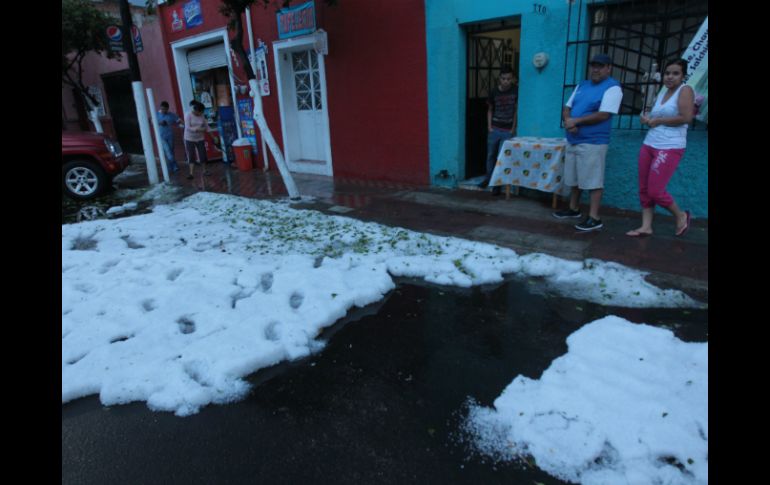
471	183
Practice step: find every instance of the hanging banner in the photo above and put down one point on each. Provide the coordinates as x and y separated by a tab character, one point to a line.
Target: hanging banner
262	80
697	57
296	21
697	77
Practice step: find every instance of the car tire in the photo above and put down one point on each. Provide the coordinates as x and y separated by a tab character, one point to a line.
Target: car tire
83	179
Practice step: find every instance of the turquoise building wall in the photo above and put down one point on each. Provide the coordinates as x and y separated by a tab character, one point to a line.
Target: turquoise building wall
540	94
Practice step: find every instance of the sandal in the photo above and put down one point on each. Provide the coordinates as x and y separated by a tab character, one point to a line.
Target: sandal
636	233
682	231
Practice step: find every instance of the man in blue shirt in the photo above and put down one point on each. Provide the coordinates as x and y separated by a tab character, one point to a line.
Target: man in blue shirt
587	118
167	120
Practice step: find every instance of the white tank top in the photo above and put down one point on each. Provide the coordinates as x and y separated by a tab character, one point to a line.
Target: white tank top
664	137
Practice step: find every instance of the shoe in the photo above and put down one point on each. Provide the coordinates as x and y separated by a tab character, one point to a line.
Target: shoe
496	190
589	224
206	173
484	184
189	177
636	233
683	230
567	213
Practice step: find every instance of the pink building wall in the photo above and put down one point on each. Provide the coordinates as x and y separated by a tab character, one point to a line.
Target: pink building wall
153	67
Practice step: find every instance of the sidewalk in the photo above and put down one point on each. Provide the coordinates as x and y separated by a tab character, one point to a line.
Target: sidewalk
523	223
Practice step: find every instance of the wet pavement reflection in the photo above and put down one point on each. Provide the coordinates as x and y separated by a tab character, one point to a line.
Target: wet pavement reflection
381	403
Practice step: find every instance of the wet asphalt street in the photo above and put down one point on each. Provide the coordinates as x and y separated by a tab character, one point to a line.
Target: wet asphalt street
382	403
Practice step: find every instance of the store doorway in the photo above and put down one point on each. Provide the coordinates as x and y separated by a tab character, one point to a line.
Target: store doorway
304	115
491	46
120	99
205	74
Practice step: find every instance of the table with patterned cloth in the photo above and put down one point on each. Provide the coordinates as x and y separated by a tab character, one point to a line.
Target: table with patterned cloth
533	163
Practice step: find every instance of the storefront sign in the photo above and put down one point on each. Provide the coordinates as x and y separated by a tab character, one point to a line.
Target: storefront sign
297	20
192	13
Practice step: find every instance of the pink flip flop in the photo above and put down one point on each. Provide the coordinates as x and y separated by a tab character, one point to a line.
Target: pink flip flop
683	230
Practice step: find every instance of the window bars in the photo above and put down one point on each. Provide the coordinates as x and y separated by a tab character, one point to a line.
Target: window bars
639	36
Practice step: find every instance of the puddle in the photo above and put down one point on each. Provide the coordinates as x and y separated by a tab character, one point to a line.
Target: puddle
381	403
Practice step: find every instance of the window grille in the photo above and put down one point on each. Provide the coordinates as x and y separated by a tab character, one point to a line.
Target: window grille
635	34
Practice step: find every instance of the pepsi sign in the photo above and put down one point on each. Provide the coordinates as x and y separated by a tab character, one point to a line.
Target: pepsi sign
115	38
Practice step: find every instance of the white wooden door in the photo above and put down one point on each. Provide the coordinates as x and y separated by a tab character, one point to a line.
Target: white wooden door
311	113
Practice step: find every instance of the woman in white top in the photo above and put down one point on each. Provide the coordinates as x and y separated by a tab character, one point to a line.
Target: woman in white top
663	147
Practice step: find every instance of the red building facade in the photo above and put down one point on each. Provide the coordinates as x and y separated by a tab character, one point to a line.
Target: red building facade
356	108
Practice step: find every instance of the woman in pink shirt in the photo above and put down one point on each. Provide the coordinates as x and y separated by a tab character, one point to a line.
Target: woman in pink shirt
195	125
663	148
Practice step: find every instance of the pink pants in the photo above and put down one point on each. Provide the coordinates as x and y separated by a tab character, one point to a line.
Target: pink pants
655	170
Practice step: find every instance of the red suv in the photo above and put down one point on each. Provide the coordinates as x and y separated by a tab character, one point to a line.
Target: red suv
89	161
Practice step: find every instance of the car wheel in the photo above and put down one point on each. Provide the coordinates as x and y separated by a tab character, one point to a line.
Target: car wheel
83	179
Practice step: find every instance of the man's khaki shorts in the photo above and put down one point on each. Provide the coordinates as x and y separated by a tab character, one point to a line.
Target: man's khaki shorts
584	166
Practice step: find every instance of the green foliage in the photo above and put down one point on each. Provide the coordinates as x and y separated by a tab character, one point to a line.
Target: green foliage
83	30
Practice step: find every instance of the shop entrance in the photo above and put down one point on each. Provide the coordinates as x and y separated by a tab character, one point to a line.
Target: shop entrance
204	74
302	97
491	46
120	98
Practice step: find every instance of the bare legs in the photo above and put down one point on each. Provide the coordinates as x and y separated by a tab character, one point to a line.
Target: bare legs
647	215
646	228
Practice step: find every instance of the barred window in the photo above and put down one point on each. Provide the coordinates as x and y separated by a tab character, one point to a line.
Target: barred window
639	36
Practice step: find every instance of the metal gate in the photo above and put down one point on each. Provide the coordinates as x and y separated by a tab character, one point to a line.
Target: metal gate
485	57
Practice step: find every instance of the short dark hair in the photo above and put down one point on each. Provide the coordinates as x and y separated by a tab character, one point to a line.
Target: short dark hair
506	70
682	63
198	106
164	104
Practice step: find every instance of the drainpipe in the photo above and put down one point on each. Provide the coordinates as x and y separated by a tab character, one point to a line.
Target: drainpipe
253	62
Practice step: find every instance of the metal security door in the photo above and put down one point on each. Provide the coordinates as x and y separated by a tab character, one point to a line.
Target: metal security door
311	114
